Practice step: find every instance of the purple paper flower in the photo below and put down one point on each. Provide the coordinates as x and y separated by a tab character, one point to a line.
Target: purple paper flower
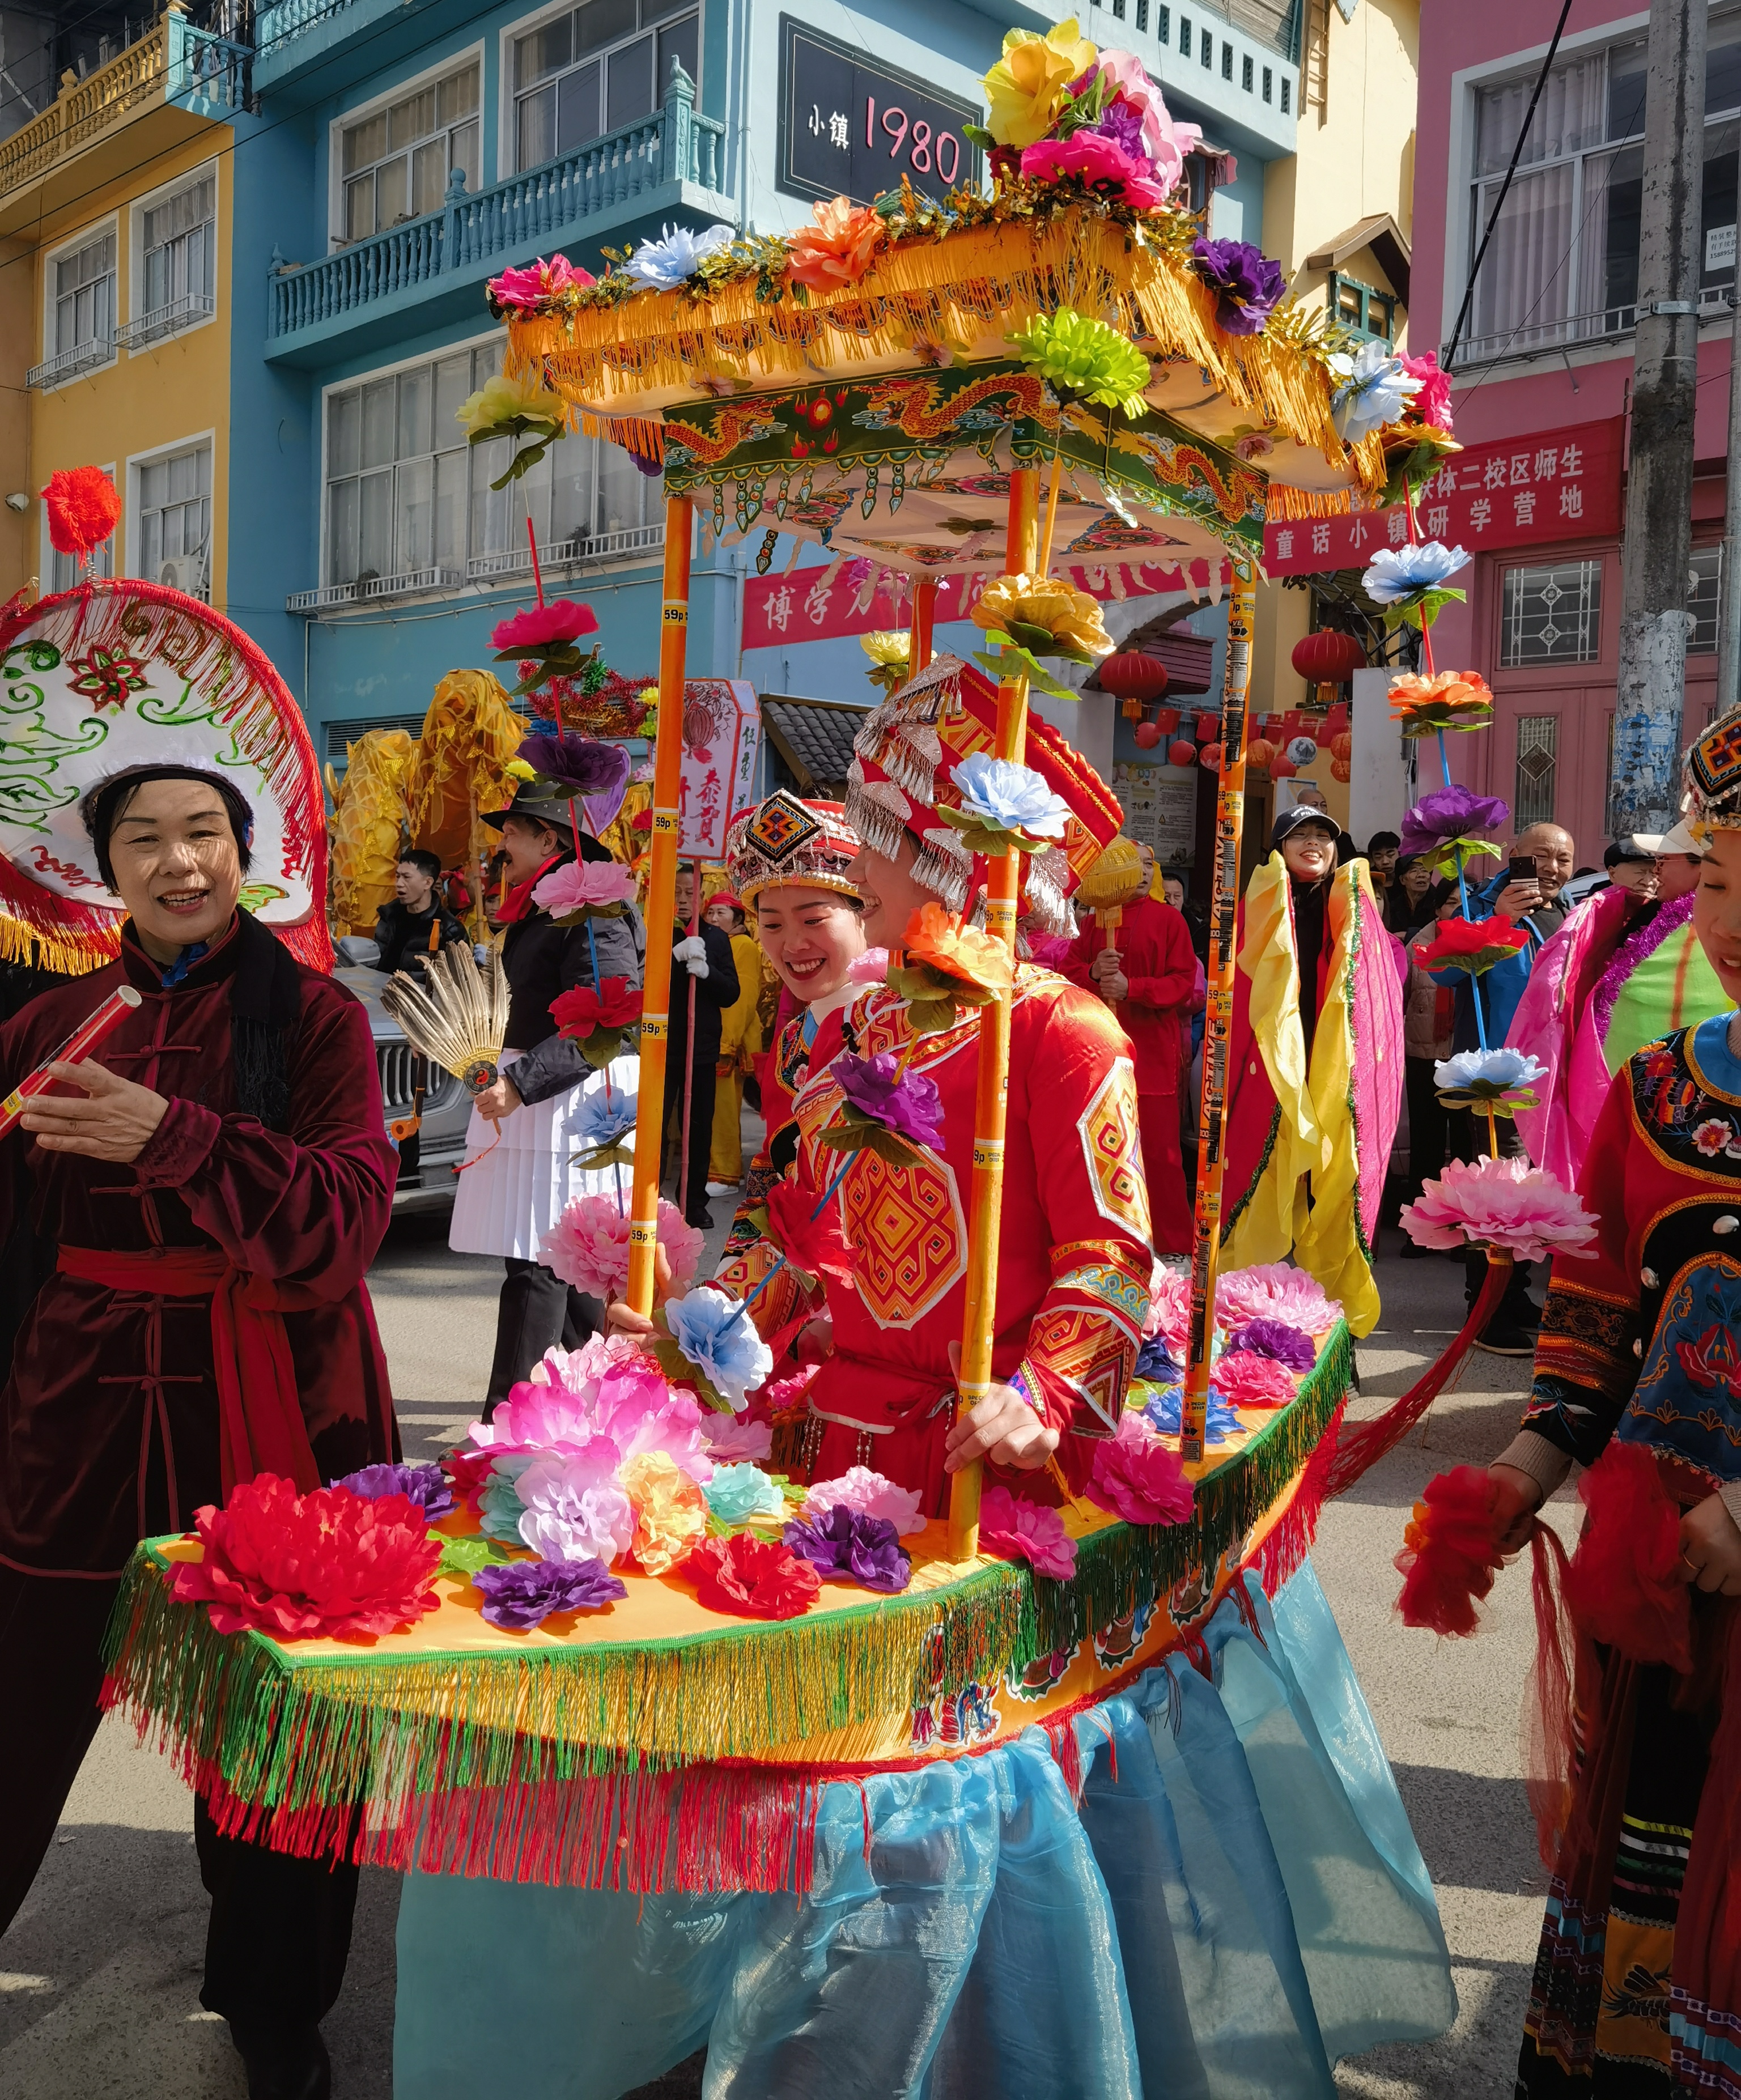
1247	283
1449	813
845	1546
1124	126
525	1593
427	1486
908	1103
1275	1337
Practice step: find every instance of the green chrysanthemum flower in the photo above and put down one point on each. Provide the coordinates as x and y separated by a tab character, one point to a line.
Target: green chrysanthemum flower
1085	358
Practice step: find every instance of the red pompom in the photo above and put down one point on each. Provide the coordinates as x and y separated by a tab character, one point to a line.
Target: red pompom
1625	1586
1448	1558
83	507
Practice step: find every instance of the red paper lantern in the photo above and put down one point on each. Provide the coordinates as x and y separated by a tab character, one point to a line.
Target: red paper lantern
1181	753
1166	720
1146	735
1340	770
1135	677
1211	755
1327	658
1283	767
1342	747
1259	752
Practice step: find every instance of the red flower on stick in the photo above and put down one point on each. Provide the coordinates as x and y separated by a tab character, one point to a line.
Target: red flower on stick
815	1244
540	625
615	1004
1473	948
752	1578
327	1565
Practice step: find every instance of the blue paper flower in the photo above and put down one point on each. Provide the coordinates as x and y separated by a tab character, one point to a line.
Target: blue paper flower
1400	576
500	1508
1501	1068
676	256
427	1486
737	1492
1166	1412
525	1593
1375	388
721	1341
1010	798
1156	1362
601	1123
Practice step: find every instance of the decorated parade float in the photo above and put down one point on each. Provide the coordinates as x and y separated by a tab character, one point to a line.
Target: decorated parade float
1075	1794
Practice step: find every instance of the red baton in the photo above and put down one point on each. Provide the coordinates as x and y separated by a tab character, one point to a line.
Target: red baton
80	1044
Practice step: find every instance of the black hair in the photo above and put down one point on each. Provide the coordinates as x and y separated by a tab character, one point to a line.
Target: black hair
106	803
1624	849
423	861
1379	840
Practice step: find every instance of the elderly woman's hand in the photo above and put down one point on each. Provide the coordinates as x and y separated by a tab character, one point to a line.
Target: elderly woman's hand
112	1120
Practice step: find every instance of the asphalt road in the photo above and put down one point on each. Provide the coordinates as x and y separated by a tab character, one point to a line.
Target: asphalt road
100	1976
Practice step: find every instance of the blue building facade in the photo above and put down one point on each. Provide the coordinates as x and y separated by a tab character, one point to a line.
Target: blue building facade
401	155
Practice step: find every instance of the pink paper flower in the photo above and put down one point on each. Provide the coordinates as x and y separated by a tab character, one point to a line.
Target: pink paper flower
1138	1477
867	1494
1274	1290
1505	1203
1169	1308
641	1414
584	882
575	1510
1165	142
731	1439
872	967
534	1418
537	626
531	286
1432	404
1245	1380
1096	158
588	1247
1015	1529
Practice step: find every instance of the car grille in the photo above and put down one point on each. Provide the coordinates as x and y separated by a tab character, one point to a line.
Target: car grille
399	1065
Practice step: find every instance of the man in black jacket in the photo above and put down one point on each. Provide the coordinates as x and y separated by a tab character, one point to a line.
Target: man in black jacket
414	925
710	986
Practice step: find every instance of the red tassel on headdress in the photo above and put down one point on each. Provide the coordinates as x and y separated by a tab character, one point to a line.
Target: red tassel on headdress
1624	1587
83	507
1449	1559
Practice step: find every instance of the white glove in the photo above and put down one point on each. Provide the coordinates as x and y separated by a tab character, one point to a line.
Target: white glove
693	952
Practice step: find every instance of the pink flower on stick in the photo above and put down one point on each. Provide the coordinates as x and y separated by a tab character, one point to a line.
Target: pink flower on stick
537	626
1015	1529
588	1247
583	885
1504	1203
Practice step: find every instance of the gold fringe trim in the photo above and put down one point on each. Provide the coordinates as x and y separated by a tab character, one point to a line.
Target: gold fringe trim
69	955
1283	504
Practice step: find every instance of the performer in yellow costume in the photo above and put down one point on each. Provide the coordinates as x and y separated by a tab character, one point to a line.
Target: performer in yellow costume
740	1040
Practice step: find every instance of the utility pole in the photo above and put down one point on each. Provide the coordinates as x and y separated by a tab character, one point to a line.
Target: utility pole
1656	553
1728	576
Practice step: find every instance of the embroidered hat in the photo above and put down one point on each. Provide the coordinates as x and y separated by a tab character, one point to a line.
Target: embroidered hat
1712	777
902	773
786	844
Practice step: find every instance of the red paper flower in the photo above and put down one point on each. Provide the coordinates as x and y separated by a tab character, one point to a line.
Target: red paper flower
82	509
1458	944
615	1004
468	1471
322	1565
815	1245
539	626
752	1578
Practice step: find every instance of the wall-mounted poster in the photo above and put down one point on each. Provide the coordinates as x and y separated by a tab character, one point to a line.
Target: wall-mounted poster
1160	810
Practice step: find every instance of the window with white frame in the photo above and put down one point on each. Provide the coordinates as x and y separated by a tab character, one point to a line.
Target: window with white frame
178	260
596	67
1551	613
408	503
63	571
395	162
173	496
1562	265
83	323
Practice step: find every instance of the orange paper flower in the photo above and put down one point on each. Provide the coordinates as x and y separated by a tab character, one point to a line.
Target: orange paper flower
937	937
670	1511
838	248
1453	699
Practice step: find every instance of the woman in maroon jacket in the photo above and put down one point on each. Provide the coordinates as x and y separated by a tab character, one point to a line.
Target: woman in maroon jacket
206	1196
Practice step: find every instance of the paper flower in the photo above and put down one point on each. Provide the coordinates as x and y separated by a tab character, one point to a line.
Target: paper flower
1246	282
595	770
583	886
870	1494
1473	948
529	287
732	1439
670	1511
889	650
469	1471
1499	1079
1451	699
1169	1309
1044	616
1137	1478
1010	798
425	1487
751	1577
1013	1529
1155	1363
815	1245
324	1565
736	1493
845	1546
1374	390
1164	142
525	1593
676	256
1274	1290
83	507
879	1094
1432	404
1024	90
588	1246
1404	575
1287	1344
1244	1379
604	1128
1504	1203
1165	1410
608	1388
719	1339
536	627
839	248
581	1011
960	953
508	408
1448	813
571	1507
1082	357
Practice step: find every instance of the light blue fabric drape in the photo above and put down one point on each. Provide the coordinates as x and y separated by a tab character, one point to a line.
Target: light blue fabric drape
1238	1902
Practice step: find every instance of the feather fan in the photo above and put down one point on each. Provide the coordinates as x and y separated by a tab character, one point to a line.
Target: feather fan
458	1016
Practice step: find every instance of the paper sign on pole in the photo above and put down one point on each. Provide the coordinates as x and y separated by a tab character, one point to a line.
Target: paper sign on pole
722	743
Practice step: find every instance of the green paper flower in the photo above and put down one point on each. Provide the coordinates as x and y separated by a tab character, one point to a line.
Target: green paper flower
1085	359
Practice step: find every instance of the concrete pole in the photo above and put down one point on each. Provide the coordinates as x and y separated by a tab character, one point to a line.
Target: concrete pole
1728	603
1656	553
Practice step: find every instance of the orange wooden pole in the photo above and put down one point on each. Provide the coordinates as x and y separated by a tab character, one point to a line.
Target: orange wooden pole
979	1323
924	613
655	996
1219	1019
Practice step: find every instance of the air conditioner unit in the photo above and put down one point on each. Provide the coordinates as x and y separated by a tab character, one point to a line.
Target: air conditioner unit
184	573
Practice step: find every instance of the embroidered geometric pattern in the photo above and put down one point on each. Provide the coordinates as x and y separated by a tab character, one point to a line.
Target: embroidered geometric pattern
1113	1287
1091	1356
907	1229
1113	1150
780	826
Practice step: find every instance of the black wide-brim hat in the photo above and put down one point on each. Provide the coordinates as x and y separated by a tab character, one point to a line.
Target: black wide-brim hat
555	810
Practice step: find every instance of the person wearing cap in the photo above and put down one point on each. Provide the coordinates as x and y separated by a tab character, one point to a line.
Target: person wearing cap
524	1131
208	1191
1315	1066
740	1042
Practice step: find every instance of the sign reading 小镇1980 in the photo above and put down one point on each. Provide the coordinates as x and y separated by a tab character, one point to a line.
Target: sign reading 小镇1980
850	126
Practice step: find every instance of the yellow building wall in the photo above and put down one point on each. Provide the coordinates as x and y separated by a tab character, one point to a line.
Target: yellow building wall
1355	158
147	400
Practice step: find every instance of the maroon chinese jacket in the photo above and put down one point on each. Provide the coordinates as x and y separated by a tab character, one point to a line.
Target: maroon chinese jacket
109	1425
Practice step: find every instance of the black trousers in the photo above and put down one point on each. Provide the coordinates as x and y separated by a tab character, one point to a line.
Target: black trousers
281	1927
691	1173
1468	1134
1427	1120
537	1311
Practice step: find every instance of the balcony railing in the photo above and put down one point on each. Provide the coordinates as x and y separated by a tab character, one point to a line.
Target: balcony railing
1602	324
207	73
69	363
563	557
166	321
547	204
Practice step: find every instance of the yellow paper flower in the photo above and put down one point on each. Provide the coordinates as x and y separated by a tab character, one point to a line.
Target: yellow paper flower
517	769
500	400
670	1511
1023	90
887	644
1070	617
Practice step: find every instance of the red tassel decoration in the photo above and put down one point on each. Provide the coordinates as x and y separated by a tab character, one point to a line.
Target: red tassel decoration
1448	1558
83	507
1549	1732
1626	1587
